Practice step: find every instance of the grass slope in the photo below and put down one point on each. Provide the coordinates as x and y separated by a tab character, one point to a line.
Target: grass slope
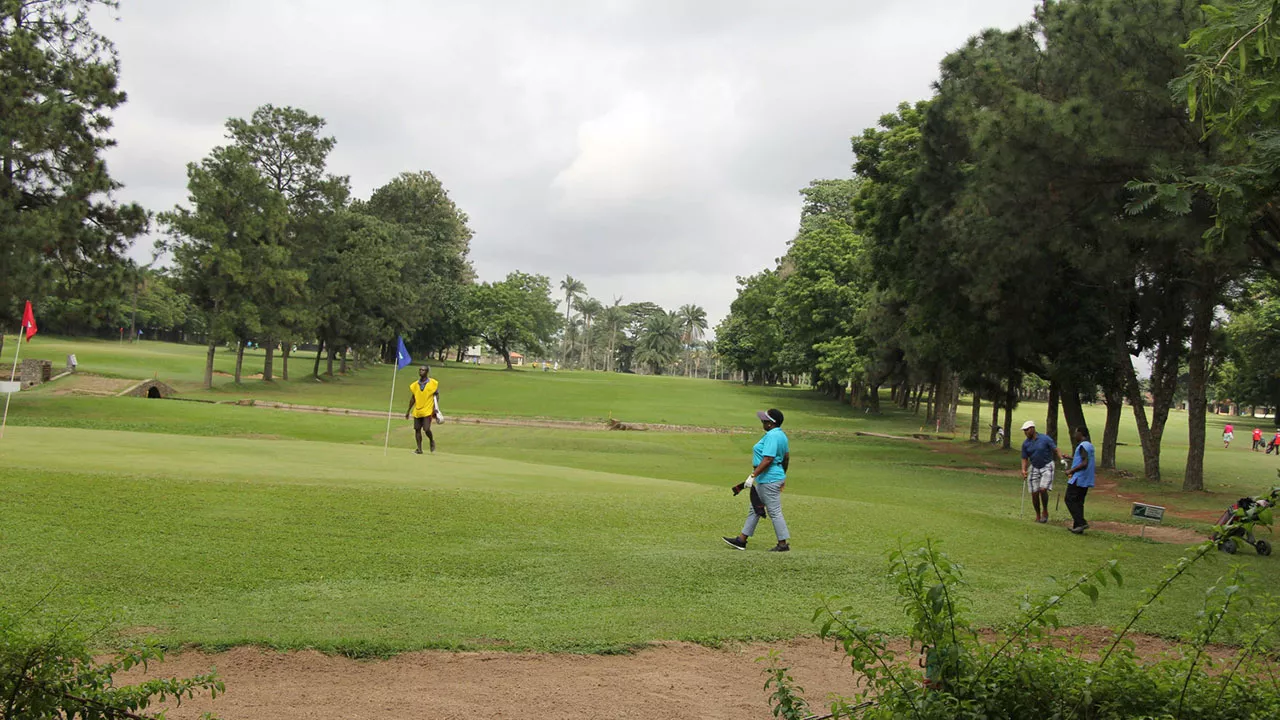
224	541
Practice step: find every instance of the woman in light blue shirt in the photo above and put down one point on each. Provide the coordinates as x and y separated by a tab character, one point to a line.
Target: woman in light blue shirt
769	461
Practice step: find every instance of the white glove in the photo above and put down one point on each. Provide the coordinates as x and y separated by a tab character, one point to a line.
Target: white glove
749	483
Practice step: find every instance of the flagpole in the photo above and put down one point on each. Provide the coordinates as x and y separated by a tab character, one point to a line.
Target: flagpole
386	443
9	396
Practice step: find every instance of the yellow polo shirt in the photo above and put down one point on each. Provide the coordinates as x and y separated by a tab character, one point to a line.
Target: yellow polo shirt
424	399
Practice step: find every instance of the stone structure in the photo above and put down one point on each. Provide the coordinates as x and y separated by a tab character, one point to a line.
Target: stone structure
149	389
34	372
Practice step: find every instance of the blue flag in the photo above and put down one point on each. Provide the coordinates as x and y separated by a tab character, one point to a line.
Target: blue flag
402	355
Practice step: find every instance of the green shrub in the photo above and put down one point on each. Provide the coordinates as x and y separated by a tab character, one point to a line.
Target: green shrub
1028	673
48	671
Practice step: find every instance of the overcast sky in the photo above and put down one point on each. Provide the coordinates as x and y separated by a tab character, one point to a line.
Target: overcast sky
651	148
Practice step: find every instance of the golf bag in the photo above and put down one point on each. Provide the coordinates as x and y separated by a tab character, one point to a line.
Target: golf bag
1238	521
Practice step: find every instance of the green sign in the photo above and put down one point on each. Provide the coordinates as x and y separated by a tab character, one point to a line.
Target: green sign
1143	511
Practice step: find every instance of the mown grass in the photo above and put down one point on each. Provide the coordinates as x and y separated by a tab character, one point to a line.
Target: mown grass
224	525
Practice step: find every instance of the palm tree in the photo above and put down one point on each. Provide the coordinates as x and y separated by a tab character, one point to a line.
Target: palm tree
572	288
693	322
589	308
614	317
659	343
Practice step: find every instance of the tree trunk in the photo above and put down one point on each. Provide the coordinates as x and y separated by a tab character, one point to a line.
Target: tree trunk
1197	385
239	359
315	371
930	404
506	355
284	360
328	356
995	417
975	415
268	371
1011	399
948	402
342	368
1072	409
1051	418
208	365
1111	431
874	399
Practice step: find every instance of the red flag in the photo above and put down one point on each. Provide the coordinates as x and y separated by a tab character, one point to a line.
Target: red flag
28	322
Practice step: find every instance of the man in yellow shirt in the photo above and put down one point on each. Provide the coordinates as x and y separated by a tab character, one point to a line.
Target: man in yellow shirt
422	406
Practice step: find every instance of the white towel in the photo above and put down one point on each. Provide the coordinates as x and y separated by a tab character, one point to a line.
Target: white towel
439	415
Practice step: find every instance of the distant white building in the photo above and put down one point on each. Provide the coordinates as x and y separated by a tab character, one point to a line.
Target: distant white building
475	355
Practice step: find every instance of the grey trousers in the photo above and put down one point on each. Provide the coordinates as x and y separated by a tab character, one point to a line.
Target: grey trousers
771	495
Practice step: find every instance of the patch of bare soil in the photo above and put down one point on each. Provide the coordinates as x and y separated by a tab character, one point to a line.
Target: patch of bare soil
669	681
79	384
1158	533
255	376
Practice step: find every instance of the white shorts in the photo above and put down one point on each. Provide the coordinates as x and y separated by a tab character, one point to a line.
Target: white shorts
1228	437
1040	479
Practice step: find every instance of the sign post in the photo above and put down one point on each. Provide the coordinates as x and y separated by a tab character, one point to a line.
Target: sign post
1150	514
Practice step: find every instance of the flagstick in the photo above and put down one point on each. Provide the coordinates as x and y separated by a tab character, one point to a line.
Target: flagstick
386	443
9	396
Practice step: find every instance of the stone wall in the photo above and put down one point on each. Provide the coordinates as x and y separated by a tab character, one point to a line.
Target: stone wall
34	372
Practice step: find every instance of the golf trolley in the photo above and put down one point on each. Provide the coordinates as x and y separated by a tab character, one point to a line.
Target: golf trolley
1238	521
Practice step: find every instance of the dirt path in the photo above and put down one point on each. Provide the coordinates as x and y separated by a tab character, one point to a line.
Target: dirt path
671	681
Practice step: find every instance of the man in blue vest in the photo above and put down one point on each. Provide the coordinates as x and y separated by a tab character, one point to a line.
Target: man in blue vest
1079	479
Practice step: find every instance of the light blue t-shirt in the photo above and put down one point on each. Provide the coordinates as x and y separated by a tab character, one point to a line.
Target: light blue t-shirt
774	444
1084	454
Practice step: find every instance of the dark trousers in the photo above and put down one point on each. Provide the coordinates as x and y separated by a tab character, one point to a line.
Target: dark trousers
1075	503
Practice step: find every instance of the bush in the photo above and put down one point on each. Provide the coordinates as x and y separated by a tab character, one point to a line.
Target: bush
48	671
1028	673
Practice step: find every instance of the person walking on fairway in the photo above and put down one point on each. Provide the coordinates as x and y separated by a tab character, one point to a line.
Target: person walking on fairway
422	406
1079	479
1257	439
1038	455
770	459
1228	434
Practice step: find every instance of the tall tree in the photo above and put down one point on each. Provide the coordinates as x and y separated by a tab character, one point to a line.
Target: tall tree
437	241
659	343
589	308
61	232
516	313
287	146
228	240
693	323
572	289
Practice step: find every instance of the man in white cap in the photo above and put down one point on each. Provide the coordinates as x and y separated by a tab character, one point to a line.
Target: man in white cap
1038	455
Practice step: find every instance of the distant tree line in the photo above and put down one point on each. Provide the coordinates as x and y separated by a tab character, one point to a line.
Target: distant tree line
1095	185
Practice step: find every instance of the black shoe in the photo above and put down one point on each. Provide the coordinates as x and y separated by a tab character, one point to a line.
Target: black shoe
418	451
433	447
1079	530
735	543
780	548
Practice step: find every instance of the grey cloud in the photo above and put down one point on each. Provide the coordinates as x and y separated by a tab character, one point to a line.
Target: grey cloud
652	148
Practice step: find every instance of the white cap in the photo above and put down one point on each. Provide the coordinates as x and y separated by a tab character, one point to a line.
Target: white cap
1028	424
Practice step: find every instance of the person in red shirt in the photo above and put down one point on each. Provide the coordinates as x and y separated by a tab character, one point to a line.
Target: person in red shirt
1257	439
1275	444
